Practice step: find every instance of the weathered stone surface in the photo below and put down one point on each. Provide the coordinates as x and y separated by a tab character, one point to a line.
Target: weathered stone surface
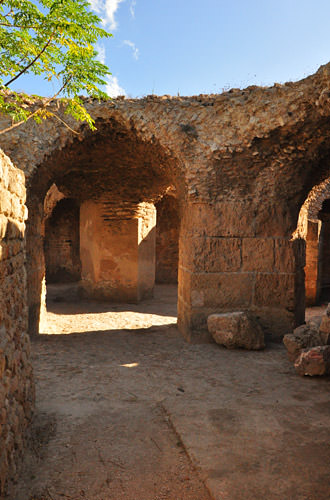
275	289
61	243
117	250
167	239
313	361
264	248
236	329
324	327
302	337
221	290
16	385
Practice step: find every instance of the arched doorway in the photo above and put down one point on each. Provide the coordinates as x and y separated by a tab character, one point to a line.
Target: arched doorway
103	229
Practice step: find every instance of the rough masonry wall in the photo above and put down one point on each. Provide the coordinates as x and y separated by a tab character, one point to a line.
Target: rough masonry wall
16	385
167	240
62	243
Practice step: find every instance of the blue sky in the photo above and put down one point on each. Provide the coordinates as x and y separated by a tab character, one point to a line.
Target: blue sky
190	47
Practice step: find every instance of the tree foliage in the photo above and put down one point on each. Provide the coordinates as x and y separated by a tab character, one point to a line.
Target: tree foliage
54	39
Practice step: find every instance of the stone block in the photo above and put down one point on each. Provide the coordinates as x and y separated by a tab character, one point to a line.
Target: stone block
223	290
284	256
5	202
221	219
314	361
16	183
210	254
258	254
273	290
236	329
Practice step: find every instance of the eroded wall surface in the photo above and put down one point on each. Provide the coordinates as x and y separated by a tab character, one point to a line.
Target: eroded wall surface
61	244
167	240
16	385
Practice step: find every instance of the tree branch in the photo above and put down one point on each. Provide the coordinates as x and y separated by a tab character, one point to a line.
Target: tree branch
30	64
8	25
64	123
40	109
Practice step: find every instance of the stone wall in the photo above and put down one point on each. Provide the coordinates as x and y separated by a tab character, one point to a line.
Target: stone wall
225	266
16	385
61	243
167	240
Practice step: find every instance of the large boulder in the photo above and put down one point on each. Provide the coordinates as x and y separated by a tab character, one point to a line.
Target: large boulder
313	361
236	329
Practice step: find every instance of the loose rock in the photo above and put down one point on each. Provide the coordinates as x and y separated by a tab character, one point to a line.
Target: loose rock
236	329
302	337
314	361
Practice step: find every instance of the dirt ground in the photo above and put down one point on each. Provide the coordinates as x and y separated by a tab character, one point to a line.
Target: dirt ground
127	410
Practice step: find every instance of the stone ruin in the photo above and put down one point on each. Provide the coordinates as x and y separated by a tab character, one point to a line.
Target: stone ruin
233	170
309	346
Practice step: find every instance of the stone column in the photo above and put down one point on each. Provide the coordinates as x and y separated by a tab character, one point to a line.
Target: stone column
117	250
211	278
312	262
324	251
236	256
35	265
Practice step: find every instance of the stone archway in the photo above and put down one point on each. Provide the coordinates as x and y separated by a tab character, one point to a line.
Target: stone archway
313	228
61	243
115	178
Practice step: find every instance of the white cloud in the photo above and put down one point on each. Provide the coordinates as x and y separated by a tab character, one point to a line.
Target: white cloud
107	10
113	89
132	8
133	47
96	5
100	53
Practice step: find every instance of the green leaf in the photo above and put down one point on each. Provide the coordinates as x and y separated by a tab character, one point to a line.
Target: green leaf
54	39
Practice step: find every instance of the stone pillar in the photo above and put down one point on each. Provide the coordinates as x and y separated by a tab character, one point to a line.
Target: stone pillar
234	258
324	278
167	240
35	266
312	284
117	250
211	277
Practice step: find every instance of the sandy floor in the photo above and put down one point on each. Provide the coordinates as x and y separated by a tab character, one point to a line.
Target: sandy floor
127	410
